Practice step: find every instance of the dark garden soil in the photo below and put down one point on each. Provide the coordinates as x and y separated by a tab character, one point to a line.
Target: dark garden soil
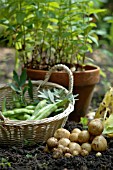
34	158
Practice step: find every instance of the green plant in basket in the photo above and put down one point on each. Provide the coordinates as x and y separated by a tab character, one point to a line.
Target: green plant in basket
57	102
49	102
55	95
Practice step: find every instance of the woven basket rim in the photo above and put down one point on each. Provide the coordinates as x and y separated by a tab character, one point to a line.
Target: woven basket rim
3	86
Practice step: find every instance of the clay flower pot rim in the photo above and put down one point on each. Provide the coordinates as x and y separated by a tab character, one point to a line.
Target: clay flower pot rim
81	78
88	68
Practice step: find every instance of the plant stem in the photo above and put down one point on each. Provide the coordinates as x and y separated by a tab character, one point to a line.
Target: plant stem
70	21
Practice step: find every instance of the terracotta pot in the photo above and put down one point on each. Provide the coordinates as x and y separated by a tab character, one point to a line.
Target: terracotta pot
84	83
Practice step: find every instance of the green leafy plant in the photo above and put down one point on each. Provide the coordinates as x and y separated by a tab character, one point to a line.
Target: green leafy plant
50	31
84	122
19	88
4	163
48	102
108	126
55	95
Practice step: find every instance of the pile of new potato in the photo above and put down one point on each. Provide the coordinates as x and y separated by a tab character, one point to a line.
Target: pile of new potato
77	142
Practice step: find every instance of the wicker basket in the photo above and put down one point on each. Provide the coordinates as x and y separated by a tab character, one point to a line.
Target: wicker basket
16	132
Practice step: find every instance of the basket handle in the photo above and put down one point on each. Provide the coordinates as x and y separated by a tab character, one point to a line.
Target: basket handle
63	67
2	117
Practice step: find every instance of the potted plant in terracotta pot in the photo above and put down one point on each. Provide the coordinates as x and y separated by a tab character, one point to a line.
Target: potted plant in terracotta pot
46	33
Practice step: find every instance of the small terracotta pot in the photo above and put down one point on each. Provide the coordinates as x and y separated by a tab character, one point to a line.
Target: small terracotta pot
84	83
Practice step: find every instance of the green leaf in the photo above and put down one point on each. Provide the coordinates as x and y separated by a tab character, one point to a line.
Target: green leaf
84	121
3	160
108	130
29	156
93	39
25	89
20	17
89	48
59	93
39	14
4	105
15	77
30	89
44	24
14	87
54	4
19	36
102	73
54	20
23	77
43	94
66	34
51	96
108	125
96	11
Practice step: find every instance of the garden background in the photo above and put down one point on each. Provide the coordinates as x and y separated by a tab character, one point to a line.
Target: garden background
29	158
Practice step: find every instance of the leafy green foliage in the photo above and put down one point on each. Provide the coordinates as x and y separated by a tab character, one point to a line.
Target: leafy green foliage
62	30
108	125
50	102
29	156
19	88
51	96
30	89
4	163
55	95
84	122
